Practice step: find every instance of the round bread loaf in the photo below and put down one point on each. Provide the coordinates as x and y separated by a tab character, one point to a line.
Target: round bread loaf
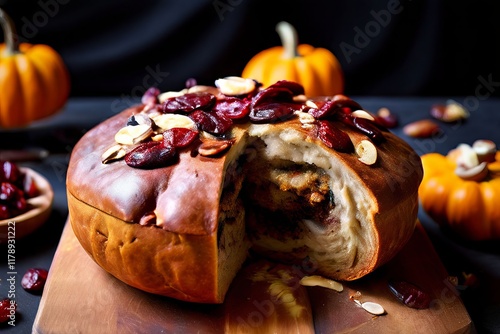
280	188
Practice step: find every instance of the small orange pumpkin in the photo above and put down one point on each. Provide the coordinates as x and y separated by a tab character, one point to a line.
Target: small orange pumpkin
317	69
469	207
34	82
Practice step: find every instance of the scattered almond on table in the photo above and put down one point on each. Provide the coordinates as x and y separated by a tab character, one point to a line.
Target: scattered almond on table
421	129
452	111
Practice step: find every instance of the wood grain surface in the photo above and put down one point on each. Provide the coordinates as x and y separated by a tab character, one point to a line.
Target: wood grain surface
80	297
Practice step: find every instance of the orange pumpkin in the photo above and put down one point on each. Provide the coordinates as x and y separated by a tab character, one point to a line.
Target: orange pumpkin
469	207
34	82
317	69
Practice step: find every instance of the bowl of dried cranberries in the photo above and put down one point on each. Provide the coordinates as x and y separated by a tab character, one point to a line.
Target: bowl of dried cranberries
25	201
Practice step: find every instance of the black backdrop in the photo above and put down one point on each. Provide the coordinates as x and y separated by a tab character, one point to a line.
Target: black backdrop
386	47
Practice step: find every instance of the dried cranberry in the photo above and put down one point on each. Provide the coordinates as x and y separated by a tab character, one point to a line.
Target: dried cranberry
388	121
272	94
20	204
151	155
13	194
179	137
344	110
211	122
7	309
410	295
29	186
338	104
9	171
294	87
334	138
346	119
9	192
191	82
232	107
150	96
369	128
326	109
34	279
5	212
343	101
189	102
366	126
272	112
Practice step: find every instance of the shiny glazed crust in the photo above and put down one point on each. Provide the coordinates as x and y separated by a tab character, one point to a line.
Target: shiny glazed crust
179	256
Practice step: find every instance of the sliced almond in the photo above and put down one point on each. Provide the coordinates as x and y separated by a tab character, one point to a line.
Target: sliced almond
454	111
373	308
169	121
166	95
133	134
367	152
476	173
485	150
141	118
157	137
207	136
213	147
466	156
152	113
311	104
384	112
115	152
205	89
386	118
235	85
300	98
306	118
315	280
421	129
362	114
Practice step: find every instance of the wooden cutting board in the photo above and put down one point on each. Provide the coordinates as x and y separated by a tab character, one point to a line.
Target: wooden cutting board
79	297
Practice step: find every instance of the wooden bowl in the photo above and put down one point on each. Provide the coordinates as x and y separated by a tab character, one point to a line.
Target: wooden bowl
24	224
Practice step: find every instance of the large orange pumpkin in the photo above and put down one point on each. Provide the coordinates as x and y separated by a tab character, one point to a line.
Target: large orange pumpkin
317	69
469	207
34	82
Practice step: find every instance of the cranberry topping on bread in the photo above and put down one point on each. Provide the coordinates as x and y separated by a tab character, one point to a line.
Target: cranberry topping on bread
171	195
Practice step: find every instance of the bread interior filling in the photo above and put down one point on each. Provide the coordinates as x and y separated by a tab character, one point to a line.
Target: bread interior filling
294	210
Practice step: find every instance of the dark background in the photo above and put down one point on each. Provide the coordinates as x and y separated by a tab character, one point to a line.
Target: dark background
112	47
117	48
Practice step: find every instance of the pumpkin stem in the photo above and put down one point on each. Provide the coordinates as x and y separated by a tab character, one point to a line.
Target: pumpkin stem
289	39
9	32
